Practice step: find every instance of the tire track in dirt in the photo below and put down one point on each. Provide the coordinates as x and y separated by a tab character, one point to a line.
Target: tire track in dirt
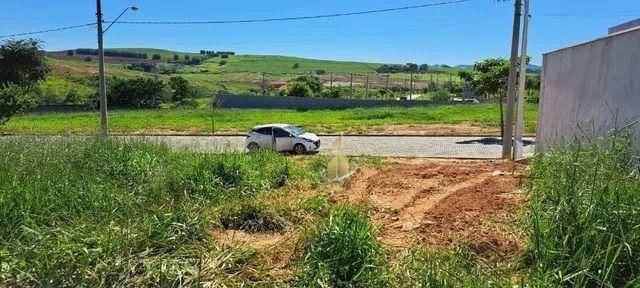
440	202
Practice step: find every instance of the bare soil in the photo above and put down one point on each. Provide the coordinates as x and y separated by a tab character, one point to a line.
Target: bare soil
443	203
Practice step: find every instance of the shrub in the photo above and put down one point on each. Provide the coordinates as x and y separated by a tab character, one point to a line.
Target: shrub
224	55
176	57
88	59
313	82
70	53
298	89
136	92
342	251
181	89
156	57
296	66
187	57
15	99
320	72
223	62
441	95
584	215
22	62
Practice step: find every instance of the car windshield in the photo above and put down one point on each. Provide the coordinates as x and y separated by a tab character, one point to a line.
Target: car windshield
294	130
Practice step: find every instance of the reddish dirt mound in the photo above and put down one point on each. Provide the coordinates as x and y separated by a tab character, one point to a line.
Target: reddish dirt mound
435	202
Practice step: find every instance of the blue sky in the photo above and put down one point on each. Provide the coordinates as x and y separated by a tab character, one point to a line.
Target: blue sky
452	34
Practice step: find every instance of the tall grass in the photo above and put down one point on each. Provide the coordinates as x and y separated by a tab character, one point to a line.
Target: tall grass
342	251
97	212
585	215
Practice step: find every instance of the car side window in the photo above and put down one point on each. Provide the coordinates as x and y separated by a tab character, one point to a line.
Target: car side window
281	133
264	131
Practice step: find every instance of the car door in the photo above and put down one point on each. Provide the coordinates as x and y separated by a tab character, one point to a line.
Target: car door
265	138
283	139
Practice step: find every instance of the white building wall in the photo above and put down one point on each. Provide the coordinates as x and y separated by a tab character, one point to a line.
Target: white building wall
589	88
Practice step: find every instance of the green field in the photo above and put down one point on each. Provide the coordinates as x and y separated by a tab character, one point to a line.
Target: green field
194	121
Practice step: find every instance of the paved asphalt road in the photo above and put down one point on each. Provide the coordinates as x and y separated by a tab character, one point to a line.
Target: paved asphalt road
391	146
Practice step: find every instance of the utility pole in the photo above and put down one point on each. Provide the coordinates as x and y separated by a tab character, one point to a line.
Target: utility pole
101	78
519	144
507	138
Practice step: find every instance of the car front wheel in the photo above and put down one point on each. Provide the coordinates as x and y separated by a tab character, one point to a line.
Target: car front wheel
299	149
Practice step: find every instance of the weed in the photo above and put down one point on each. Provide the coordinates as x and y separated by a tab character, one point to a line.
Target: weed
342	251
585	215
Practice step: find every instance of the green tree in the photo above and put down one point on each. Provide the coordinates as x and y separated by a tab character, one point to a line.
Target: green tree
298	89
136	93
490	77
312	82
181	89
22	66
22	62
176	57
15	99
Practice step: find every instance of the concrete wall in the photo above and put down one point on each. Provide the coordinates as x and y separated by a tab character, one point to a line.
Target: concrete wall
296	103
589	88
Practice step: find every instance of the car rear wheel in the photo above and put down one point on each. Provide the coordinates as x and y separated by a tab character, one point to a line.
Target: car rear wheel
253	147
299	149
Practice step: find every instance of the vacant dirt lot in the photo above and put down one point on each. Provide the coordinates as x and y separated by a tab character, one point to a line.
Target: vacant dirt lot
422	202
443	203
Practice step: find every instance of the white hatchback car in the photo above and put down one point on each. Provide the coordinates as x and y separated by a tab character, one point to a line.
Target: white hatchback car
282	137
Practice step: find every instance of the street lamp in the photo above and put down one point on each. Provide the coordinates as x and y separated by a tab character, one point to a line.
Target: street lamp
102	85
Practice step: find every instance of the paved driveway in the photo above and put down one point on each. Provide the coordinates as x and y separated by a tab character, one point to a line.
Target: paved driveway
391	146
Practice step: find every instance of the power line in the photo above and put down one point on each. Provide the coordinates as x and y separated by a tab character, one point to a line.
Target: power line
295	18
328	38
48	30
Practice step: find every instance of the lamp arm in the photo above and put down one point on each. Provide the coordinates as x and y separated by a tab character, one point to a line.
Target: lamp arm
115	21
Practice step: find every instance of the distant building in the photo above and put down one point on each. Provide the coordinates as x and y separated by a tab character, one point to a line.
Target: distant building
590	88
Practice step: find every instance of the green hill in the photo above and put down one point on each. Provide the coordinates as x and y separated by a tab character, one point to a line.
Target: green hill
284	65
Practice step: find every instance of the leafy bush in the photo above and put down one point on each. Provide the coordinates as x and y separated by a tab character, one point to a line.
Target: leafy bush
441	95
70	53
88	59
312	82
585	215
22	62
15	99
298	89
296	66
142	66
156	57
223	62
320	72
136	92
342	251
181	89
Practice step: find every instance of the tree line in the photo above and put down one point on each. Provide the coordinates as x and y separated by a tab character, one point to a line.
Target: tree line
408	68
112	53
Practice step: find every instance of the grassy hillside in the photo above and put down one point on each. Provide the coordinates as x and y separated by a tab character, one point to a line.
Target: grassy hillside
283	65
